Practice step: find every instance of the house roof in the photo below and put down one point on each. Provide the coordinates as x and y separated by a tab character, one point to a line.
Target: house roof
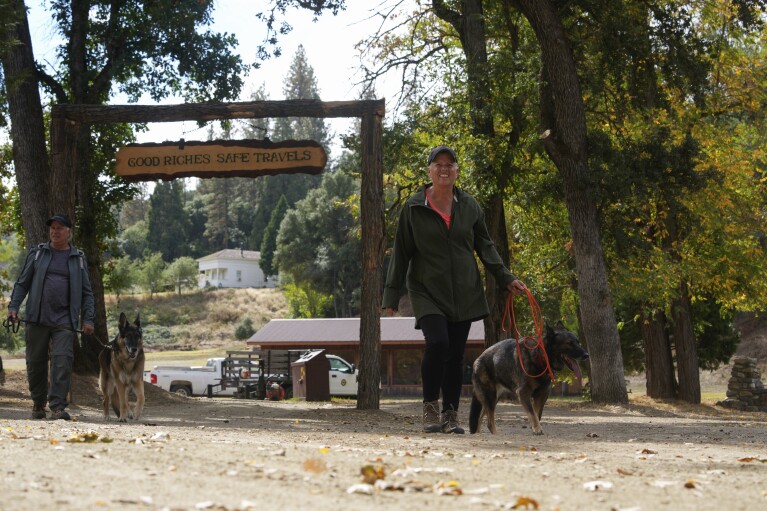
283	333
233	253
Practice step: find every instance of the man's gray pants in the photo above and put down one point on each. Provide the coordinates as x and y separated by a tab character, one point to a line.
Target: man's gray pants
39	338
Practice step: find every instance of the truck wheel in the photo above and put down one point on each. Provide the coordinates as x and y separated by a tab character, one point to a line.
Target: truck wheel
181	390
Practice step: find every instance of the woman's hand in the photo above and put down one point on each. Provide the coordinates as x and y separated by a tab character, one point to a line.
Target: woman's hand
517	287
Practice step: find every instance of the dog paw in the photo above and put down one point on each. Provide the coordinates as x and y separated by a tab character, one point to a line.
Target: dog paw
538	432
122	419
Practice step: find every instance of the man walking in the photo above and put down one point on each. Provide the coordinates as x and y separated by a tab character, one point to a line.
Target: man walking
55	282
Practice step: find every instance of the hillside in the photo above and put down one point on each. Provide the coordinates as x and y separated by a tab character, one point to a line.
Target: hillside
200	319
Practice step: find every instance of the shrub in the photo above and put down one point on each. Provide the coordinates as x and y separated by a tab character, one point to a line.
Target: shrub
244	330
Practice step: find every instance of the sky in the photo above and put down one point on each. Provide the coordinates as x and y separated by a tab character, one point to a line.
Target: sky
328	43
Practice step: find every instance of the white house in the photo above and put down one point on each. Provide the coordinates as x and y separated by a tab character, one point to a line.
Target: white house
233	268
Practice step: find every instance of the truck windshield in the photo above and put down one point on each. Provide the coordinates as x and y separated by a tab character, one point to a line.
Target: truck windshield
337	365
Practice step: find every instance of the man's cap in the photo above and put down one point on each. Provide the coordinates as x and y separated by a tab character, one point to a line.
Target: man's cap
60	218
441	149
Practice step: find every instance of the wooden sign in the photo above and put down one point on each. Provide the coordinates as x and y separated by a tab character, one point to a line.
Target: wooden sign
220	158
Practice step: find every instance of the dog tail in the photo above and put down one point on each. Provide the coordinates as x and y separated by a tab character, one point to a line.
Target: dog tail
475	413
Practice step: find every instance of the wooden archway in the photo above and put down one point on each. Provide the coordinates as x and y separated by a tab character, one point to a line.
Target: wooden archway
66	119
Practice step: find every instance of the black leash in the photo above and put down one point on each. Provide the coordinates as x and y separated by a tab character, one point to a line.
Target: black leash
13	327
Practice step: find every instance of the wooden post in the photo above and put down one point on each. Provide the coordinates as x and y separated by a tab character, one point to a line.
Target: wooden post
372	209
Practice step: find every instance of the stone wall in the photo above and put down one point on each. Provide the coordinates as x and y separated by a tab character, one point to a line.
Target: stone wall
745	390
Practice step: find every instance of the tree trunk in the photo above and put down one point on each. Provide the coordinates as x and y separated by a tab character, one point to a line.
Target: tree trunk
470	25
686	348
659	365
30	156
495	294
564	138
88	242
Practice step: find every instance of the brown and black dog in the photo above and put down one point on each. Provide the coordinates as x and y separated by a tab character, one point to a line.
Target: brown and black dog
121	369
498	370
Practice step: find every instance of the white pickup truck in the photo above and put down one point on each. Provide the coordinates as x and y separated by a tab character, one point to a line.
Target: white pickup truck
194	381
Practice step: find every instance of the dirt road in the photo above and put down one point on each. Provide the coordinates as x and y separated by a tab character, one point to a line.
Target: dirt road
228	454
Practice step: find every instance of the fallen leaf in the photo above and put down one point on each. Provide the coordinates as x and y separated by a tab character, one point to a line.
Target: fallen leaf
648	451
749	460
525	502
625	472
450	488
689	484
315	466
88	437
371	474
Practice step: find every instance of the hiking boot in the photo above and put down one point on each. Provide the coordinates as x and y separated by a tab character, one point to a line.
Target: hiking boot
431	417
450	422
60	414
38	412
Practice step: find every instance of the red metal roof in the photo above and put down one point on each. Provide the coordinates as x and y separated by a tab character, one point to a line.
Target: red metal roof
344	331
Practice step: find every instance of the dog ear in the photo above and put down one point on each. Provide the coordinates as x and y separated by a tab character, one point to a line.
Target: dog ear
560	326
548	331
122	323
137	321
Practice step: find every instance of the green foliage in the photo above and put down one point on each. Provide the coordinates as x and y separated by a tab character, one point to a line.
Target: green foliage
151	273
275	26
156	334
119	275
156	48
244	330
318	243
9	341
167	222
182	273
195	211
8	195
269	243
307	302
716	335
632	344
134	240
299	84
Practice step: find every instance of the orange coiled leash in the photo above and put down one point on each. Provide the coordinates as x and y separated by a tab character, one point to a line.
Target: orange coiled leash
537	343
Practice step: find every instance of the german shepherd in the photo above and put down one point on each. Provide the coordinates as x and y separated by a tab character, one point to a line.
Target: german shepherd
121	369
497	371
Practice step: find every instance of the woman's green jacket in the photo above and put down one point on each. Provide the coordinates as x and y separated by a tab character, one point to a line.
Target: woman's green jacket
439	264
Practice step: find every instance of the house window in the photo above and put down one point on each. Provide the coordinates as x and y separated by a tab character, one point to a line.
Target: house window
239	275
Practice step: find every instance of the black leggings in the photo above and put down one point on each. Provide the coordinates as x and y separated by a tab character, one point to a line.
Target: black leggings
442	364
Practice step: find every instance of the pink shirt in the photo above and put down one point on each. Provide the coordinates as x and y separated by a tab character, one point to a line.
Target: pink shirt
445	217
